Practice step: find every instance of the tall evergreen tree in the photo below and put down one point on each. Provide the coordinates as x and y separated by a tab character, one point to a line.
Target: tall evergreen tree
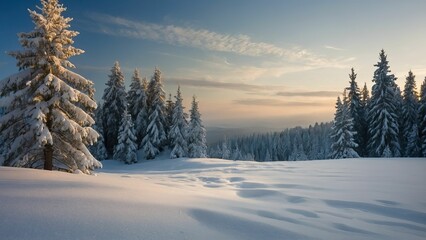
343	143
410	106
48	117
197	146
125	150
365	99
169	118
422	119
135	96
382	115
98	149
178	129
155	138
225	151
356	112
115	103
141	121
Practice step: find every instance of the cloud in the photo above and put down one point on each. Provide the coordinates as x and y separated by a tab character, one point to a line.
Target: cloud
309	94
204	39
219	85
333	48
276	103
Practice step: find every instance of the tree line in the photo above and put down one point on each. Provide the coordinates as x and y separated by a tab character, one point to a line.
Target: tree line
143	119
390	123
49	111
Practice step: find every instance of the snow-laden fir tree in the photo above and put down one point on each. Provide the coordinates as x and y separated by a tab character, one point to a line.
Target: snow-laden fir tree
225	152
365	100
98	149
47	122
410	106
356	111
365	97
136	95
155	138
178	129
382	112
141	122
115	103
197	146
342	136
169	117
422	119
125	150
236	153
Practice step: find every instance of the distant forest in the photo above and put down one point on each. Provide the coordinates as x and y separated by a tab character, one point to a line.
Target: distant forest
389	123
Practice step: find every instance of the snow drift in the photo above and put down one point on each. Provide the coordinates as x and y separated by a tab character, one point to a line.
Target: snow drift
219	199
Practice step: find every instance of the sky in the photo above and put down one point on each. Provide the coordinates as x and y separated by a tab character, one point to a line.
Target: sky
270	64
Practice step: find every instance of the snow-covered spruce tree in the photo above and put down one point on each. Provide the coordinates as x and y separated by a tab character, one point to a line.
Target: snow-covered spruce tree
356	111
178	129
236	153
343	143
169	118
141	122
410	106
197	146
155	138
365	100
422	119
382	112
125	150
135	95
225	152
114	104
98	149
47	122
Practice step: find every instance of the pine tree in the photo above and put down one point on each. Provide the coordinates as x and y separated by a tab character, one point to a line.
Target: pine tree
125	150
136	95
365	97
422	119
169	118
155	138
47	122
225	152
410	106
236	153
98	149
178	129
197	147
343	143
365	100
114	104
267	157
382	115
356	111
141	121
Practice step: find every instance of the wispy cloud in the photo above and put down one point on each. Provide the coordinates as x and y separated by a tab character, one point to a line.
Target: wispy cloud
204	39
219	85
309	94
276	103
333	48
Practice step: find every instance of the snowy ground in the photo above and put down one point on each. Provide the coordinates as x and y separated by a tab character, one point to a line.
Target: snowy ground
218	199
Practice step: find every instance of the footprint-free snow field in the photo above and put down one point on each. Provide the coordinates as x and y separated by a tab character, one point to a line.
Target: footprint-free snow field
219	199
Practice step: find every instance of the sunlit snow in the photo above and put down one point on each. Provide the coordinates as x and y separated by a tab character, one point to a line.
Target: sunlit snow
219	199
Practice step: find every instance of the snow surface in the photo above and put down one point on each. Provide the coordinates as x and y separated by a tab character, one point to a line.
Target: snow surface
218	199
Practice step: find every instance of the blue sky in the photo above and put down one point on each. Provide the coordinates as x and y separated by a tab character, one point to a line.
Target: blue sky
250	63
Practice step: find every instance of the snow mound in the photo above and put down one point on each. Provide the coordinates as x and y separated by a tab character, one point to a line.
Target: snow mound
219	199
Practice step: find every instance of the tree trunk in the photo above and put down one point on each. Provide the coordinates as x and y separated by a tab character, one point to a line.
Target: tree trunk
48	157
48	148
